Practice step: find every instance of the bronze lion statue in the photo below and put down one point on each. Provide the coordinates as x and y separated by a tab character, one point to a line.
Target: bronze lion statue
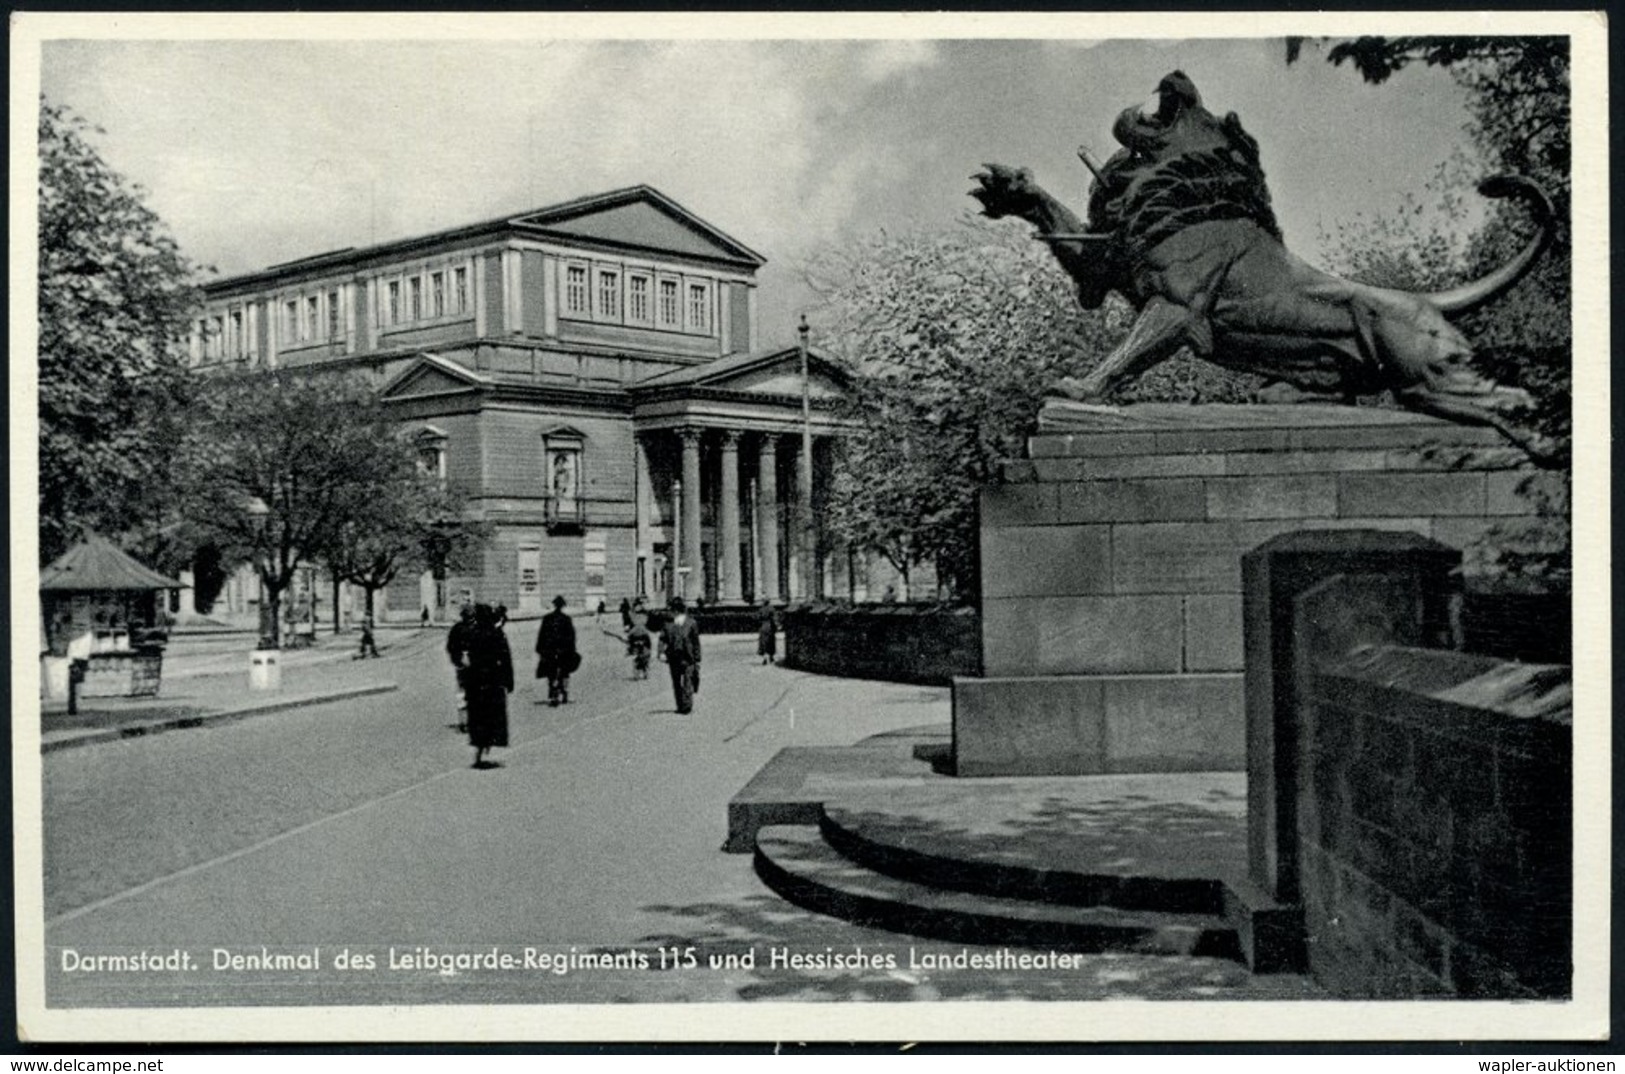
1180	224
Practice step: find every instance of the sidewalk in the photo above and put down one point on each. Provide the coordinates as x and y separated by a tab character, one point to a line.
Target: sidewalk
208	683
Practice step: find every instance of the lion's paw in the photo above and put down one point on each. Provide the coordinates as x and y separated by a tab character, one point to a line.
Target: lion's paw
1004	191
1073	390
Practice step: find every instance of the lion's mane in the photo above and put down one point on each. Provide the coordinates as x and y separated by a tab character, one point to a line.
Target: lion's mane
1202	170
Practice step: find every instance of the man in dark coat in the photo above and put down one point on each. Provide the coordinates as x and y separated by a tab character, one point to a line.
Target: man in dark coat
556	655
680	648
487	682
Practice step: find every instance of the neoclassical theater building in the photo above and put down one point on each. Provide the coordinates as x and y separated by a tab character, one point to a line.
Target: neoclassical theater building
589	375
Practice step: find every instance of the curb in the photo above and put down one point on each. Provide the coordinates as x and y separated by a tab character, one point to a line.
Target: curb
155	727
312	662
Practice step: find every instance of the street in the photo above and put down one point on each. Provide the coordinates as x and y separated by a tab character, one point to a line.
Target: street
362	823
359	829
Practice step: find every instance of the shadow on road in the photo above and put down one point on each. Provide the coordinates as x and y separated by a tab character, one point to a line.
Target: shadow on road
766	924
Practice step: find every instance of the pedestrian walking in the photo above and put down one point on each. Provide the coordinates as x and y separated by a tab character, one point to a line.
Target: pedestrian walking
767	638
639	643
680	649
369	646
626	614
457	649
488	680
556	655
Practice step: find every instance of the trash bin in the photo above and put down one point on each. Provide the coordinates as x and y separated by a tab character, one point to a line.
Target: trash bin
265	669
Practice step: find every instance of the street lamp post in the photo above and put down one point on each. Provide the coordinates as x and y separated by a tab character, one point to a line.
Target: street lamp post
809	544
679	586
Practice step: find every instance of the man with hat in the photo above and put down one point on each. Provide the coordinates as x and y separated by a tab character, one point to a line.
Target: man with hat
556	653
680	649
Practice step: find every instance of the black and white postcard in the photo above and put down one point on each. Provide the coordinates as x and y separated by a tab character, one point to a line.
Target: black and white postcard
800	527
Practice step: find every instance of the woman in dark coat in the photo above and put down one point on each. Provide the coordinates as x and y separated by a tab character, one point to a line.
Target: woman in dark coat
487	682
767	642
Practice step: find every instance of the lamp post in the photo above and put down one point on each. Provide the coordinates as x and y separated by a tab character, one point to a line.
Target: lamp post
679	585
809	545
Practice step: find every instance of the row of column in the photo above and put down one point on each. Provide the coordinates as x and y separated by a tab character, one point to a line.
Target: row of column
690	554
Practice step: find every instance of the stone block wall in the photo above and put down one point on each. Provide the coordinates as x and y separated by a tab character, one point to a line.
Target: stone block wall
930	645
1115	548
1434	818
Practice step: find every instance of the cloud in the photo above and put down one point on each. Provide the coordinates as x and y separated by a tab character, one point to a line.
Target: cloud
887	59
261	151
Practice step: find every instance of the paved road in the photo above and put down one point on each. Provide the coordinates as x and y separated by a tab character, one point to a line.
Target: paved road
362	826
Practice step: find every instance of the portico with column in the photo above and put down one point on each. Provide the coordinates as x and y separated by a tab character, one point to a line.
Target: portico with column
725	502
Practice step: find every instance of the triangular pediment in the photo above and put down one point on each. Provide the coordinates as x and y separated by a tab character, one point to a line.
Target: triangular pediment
432	375
775	374
641	218
781	380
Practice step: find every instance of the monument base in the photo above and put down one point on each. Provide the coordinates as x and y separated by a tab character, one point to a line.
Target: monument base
1111	565
1086	725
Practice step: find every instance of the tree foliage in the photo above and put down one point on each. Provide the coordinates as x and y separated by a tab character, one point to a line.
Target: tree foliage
115	296
284	470
1517	94
409	522
952	337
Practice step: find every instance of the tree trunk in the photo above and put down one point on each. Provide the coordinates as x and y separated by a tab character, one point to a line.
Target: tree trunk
902	598
270	614
338	607
370	591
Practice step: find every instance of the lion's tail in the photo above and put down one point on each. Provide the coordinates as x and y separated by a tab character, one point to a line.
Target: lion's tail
1469	296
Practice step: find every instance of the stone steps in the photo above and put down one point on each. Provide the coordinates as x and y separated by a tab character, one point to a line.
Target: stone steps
801	865
899	850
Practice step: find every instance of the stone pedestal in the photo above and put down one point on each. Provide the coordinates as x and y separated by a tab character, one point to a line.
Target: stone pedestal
1111	566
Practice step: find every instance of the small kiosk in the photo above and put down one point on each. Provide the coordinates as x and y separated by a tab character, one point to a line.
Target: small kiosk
104	619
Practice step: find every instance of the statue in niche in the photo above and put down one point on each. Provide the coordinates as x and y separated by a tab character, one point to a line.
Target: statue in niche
564	480
1180	224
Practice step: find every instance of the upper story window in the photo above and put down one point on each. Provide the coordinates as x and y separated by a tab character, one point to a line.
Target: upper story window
641	296
609	294
224	335
308	326
575	290
699	308
290	319
424	293
637	299
211	339
670	314
334	328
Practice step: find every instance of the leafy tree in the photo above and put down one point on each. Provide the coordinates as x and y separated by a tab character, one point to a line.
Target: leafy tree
1517	93
952	337
115	296
279	464
407	522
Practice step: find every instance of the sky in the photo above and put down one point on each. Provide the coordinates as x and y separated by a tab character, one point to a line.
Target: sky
261	151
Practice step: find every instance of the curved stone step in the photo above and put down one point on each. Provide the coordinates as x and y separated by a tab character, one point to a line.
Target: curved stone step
895	847
796	862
